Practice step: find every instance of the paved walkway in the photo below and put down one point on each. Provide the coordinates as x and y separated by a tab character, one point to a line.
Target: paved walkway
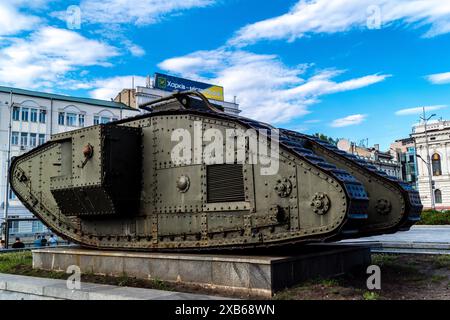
420	239
14	287
429	234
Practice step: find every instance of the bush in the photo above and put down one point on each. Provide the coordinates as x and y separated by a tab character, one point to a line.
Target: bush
430	217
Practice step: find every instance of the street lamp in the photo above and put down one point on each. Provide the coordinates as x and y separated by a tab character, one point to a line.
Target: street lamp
8	160
428	162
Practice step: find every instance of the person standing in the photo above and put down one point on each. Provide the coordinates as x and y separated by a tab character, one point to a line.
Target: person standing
43	241
52	241
18	244
37	242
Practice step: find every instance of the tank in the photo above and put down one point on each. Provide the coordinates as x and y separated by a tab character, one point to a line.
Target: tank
185	175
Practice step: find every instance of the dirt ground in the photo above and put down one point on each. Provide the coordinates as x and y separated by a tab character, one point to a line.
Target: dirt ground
403	277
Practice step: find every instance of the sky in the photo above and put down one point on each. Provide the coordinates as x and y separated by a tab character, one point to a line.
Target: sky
355	69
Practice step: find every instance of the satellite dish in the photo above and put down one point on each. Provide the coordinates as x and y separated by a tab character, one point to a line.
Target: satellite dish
344	145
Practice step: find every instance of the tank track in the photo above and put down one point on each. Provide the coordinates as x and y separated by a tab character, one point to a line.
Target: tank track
411	198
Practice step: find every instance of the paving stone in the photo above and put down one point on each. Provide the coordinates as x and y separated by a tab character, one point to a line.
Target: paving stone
33	288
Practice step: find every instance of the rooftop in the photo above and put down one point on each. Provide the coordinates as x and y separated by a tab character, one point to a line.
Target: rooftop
60	97
431	126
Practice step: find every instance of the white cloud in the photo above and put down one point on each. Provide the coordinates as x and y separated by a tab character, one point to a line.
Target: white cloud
142	12
324	16
322	84
267	89
47	56
136	50
113	17
107	89
439	78
349	121
13	21
418	110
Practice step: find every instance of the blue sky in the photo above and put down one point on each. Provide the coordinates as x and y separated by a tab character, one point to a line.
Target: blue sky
355	69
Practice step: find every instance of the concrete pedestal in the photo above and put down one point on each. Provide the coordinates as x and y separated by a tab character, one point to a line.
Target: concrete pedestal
260	274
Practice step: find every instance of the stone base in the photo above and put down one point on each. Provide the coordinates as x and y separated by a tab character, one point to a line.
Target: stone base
262	273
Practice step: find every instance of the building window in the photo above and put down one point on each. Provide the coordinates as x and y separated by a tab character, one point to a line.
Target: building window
61	118
24	114
81	120
14	227
16	114
41	139
437	196
33	139
104	120
436	164
33	115
42	114
12	195
15	138
24	139
71	119
37	226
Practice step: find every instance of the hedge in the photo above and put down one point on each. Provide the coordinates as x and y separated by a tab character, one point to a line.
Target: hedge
430	217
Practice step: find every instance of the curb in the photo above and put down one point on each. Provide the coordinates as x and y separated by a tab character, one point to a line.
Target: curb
57	289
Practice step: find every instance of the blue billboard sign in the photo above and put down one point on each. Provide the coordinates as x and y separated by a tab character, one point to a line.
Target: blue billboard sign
170	83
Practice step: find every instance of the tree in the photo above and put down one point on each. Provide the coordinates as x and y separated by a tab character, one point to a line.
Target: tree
323	137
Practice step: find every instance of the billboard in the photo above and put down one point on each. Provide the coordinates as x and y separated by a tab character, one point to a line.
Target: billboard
170	83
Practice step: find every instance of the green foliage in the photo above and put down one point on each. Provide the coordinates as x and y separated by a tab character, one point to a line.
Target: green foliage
371	295
9	262
323	137
438	278
442	262
383	259
328	282
430	217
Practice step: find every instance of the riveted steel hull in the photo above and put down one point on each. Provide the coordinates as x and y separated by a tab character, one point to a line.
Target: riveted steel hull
129	193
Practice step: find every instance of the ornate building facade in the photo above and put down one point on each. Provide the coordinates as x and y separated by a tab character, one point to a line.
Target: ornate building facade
438	137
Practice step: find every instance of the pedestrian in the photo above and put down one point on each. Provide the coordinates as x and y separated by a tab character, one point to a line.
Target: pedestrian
52	241
43	241
2	244
37	242
18	244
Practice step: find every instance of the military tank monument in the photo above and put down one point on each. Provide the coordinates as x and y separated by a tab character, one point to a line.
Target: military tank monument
156	182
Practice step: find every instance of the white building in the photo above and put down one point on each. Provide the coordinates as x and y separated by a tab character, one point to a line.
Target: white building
35	116
439	151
